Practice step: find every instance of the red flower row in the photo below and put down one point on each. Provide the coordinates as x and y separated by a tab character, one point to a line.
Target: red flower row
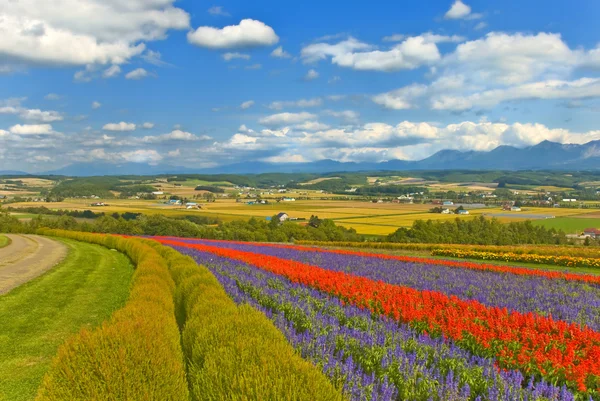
559	351
520	271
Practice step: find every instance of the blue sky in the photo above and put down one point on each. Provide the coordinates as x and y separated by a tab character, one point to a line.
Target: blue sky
200	84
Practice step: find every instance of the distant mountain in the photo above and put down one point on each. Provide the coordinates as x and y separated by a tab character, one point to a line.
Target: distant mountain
12	172
544	156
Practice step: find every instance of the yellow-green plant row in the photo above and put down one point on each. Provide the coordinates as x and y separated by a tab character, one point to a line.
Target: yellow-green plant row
231	352
136	355
235	352
568	261
547	250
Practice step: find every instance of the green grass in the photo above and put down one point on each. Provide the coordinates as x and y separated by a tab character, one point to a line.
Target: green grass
37	317
569	225
4	241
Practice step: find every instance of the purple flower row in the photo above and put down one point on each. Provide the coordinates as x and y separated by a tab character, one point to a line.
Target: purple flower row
569	301
370	357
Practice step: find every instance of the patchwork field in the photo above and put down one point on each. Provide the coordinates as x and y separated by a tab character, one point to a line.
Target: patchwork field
572	225
366	217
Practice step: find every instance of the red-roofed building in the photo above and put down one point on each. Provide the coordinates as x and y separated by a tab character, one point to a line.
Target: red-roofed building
592	232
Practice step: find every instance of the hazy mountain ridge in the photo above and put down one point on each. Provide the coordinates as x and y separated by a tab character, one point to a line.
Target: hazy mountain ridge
544	156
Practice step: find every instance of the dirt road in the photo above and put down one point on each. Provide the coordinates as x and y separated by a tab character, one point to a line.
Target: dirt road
27	257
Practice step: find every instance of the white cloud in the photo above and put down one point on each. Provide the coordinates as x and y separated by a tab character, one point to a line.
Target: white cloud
111	72
460	10
411	53
311	126
510	59
148	125
138	73
39	115
401	99
83	32
311	75
280	105
175	135
552	89
249	33
253	67
230	56
349	116
280	53
31	129
481	25
282	119
96	105
218	10
334	79
122	126
52	96
246	105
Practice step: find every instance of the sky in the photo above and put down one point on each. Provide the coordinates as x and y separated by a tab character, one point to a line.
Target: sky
201	84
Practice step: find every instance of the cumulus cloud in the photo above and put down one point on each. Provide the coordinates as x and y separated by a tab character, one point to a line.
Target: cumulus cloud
235	55
460	10
52	96
348	116
96	105
138	73
83	32
280	53
282	119
149	156
31	129
13	106
246	105
249	33
148	125
411	53
122	126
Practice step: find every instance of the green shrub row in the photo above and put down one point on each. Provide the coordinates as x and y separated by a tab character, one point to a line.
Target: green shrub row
136	354
235	352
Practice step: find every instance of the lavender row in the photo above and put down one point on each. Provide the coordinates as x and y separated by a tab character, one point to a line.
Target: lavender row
371	357
569	301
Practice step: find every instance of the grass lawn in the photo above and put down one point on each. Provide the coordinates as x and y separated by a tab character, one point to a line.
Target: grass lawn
4	241
569	225
38	316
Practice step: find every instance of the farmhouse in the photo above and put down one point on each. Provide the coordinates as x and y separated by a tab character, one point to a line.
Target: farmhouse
463	211
515	209
282	216
445	211
448	203
591	232
289	199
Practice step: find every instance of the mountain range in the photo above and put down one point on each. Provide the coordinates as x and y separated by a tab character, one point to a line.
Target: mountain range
544	156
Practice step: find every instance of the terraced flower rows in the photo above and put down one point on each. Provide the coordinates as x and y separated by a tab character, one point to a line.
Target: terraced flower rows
384	328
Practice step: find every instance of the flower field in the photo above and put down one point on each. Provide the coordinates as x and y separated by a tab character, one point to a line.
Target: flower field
384	328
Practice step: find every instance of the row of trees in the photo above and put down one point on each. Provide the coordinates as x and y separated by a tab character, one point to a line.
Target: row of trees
251	230
480	231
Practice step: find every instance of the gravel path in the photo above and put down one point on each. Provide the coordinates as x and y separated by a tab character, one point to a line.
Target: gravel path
27	257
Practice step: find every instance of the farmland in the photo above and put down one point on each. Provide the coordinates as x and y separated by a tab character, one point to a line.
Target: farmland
572	225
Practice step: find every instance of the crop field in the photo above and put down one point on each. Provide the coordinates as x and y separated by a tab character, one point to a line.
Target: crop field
385	327
40	315
366	217
570	225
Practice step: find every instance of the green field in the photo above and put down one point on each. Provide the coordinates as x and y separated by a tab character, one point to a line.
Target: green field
4	241
39	316
570	225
